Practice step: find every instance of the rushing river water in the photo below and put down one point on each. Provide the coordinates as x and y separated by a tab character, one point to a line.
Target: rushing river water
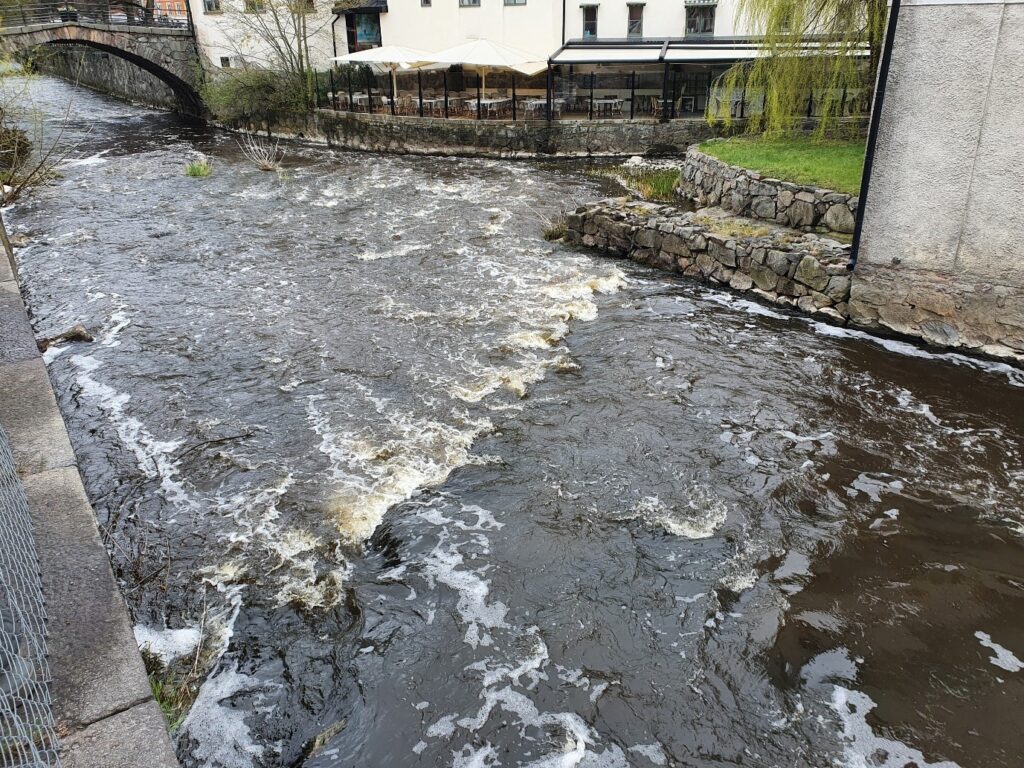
435	492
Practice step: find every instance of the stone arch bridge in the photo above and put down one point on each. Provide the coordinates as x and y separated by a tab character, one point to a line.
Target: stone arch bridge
167	52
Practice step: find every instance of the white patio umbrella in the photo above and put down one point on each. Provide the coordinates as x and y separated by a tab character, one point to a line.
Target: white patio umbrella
391	57
483	55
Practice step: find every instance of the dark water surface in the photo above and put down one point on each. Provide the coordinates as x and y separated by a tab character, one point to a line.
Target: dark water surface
444	494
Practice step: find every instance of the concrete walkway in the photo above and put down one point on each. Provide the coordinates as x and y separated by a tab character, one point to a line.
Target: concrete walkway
105	712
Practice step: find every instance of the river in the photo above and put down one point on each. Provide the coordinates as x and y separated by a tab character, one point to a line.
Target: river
427	490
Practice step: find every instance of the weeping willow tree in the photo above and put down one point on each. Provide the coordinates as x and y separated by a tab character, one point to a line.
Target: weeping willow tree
822	53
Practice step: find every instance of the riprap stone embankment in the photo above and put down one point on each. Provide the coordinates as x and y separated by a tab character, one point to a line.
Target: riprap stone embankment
788	268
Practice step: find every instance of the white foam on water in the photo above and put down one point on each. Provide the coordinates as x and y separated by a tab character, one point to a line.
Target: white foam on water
154	457
219	732
1013	375
475	757
652	752
372	474
444	565
1004	658
296	566
699	517
53	352
862	748
96	158
519	655
167	644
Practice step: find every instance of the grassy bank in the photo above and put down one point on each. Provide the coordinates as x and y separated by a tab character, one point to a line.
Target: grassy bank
831	164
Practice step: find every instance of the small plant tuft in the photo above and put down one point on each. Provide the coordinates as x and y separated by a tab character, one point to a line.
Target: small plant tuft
731	227
555	228
200	168
646	181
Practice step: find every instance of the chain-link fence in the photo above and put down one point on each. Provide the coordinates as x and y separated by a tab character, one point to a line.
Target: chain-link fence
27	736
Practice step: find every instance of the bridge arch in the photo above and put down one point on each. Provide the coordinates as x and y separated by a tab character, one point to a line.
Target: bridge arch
169	54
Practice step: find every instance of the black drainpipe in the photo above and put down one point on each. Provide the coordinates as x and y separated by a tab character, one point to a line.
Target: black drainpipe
563	22
876	118
334	39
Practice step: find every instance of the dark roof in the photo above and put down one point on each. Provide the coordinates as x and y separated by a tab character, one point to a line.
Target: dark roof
367	6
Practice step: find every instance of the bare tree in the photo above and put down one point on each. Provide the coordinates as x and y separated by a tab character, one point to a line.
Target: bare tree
274	35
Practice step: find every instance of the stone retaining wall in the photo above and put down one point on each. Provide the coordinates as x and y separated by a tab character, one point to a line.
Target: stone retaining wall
106	73
787	268
711	182
495	138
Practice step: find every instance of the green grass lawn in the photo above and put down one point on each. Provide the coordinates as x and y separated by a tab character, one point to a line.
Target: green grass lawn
831	164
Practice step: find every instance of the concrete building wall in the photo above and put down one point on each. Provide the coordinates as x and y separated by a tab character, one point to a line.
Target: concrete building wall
942	248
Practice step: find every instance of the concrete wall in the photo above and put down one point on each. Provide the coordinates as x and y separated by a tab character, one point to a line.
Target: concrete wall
942	251
106	73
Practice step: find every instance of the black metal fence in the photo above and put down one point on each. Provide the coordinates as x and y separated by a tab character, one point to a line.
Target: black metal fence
605	93
154	13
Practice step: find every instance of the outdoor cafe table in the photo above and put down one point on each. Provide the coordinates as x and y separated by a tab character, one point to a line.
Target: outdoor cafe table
487	104
436	103
540	105
606	105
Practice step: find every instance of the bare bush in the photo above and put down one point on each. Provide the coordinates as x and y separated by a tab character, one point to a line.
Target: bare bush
265	155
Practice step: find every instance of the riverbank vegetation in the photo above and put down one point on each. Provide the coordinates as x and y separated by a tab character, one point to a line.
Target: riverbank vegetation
651	182
836	164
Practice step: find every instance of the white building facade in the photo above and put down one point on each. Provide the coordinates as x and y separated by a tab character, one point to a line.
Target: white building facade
537	27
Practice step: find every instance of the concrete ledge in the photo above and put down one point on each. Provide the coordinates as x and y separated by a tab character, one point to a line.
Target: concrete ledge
28	411
91	643
105	712
124	740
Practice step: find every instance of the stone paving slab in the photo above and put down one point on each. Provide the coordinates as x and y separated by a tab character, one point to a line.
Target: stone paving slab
91	641
28	411
124	740
18	341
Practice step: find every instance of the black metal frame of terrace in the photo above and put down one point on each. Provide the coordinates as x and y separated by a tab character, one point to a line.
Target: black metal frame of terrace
588	79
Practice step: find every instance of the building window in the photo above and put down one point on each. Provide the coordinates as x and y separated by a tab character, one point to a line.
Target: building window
700	19
469	3
515	2
635	26
362	31
425	3
211	6
254	6
589	21
225	62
